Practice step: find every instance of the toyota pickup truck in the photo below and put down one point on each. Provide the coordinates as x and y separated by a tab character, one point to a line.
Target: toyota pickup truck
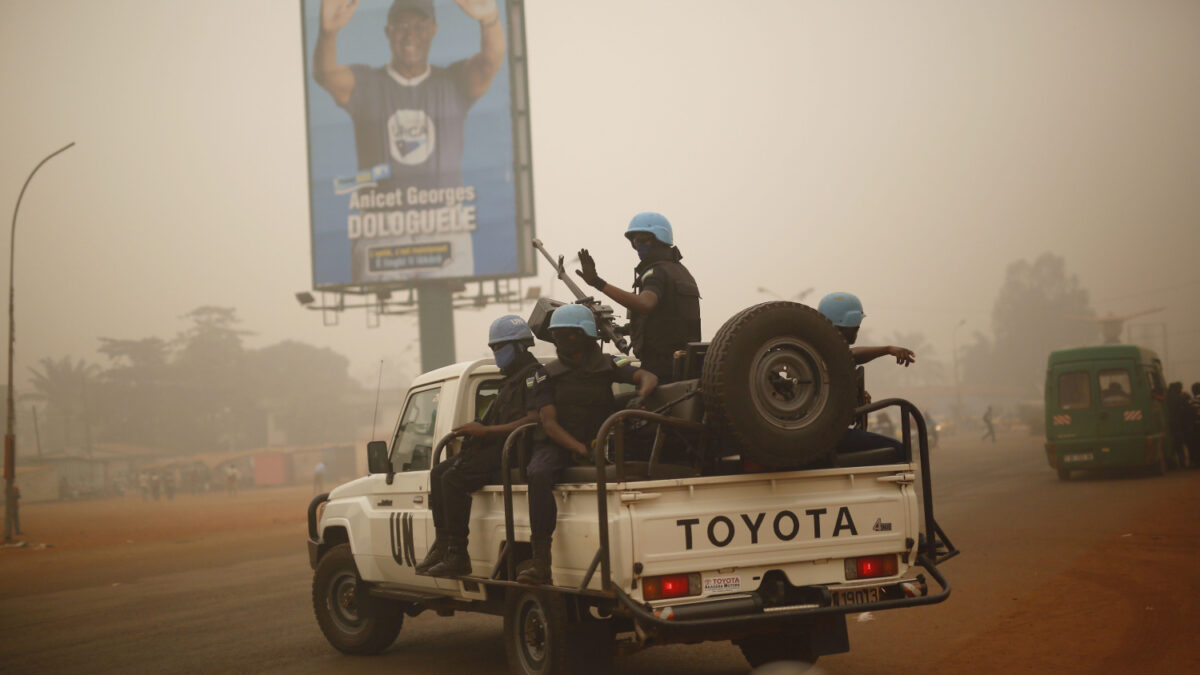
719	512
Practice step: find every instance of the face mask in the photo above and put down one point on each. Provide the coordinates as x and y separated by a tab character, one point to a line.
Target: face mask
570	348
644	250
507	355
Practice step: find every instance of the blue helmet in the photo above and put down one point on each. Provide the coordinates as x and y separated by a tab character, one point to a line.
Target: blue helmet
843	309
510	328
574	316
654	223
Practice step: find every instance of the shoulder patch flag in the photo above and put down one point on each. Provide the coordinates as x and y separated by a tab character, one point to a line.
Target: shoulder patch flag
529	382
621	361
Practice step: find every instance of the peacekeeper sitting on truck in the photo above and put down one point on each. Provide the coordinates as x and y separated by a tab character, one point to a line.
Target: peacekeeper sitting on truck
573	396
664	307
451	482
845	310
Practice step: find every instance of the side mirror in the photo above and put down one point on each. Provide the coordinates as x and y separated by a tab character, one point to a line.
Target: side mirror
377	457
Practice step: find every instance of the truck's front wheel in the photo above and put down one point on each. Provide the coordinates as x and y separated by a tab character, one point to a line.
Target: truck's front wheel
350	620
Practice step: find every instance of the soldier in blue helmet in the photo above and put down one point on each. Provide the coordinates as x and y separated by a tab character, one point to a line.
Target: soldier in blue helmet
452	481
664	307
845	310
573	396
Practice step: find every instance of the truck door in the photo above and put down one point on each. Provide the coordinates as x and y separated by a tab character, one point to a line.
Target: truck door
1072	417
399	513
1117	415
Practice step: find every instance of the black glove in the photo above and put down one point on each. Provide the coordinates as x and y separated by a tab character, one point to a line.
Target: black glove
636	402
588	273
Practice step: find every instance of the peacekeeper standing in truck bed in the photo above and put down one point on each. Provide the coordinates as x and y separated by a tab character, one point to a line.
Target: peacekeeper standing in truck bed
451	482
664	307
573	396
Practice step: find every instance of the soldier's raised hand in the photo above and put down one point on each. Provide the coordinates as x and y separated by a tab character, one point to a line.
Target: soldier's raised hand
588	273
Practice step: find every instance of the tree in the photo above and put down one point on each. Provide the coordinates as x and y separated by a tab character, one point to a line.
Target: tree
1029	320
137	391
66	387
307	389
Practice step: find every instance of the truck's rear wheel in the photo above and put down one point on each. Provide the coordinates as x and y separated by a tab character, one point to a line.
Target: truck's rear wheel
535	633
350	621
780	378
770	647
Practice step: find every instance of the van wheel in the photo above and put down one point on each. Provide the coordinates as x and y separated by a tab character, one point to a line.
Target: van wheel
770	647
1064	474
352	622
535	633
780	378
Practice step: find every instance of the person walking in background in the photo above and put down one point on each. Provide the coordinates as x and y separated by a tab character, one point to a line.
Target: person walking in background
319	478
987	422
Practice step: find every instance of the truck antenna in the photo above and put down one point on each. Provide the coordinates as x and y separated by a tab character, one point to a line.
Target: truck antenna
378	382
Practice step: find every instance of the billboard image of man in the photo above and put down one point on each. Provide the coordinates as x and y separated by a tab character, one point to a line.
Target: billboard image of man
410	213
407	113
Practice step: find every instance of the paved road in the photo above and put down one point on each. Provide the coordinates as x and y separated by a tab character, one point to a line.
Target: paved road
1018	526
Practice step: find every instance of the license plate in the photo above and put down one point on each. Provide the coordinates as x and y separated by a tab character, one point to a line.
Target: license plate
857	596
1081	457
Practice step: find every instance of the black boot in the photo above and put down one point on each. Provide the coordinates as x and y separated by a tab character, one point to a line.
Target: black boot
456	562
436	553
538	571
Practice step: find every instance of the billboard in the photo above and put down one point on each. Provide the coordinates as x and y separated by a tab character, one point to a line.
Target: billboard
418	141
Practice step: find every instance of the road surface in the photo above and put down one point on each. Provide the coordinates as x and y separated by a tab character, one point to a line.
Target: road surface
1097	574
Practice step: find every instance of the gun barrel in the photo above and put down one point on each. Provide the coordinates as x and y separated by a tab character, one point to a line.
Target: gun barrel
560	272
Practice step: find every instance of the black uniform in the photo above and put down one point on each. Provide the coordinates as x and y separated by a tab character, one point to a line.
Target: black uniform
674	321
583	399
472	467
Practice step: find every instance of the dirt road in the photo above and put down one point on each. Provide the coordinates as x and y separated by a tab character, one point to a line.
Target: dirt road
1094	575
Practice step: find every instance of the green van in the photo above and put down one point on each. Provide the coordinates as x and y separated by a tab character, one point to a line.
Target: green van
1105	409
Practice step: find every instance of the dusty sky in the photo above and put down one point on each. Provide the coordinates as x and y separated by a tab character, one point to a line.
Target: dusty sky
908	151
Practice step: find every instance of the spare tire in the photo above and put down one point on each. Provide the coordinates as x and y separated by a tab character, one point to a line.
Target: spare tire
778	379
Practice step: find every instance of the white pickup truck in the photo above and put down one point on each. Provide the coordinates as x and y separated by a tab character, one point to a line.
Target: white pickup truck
652	551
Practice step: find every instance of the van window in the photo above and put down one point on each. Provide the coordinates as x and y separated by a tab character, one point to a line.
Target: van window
1074	391
1115	388
412	447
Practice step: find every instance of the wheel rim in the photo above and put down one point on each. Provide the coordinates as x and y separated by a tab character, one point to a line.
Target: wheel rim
342	603
531	639
788	383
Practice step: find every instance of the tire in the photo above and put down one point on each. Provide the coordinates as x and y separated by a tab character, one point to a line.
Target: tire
779	378
767	648
535	632
351	625
1064	474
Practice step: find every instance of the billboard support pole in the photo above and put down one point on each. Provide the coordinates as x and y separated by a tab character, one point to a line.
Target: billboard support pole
435	318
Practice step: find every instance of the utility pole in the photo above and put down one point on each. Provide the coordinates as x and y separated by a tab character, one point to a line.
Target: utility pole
10	437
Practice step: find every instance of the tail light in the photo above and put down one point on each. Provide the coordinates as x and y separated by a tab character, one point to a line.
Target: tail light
670	586
871	567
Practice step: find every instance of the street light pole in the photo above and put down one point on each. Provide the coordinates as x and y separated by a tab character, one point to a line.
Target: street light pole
10	439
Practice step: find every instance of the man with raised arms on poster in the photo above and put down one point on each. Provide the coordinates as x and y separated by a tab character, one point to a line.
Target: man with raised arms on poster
409	128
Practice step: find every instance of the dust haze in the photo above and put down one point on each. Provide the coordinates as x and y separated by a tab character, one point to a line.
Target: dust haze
911	153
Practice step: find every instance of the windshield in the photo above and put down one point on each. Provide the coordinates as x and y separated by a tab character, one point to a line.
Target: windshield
413	444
